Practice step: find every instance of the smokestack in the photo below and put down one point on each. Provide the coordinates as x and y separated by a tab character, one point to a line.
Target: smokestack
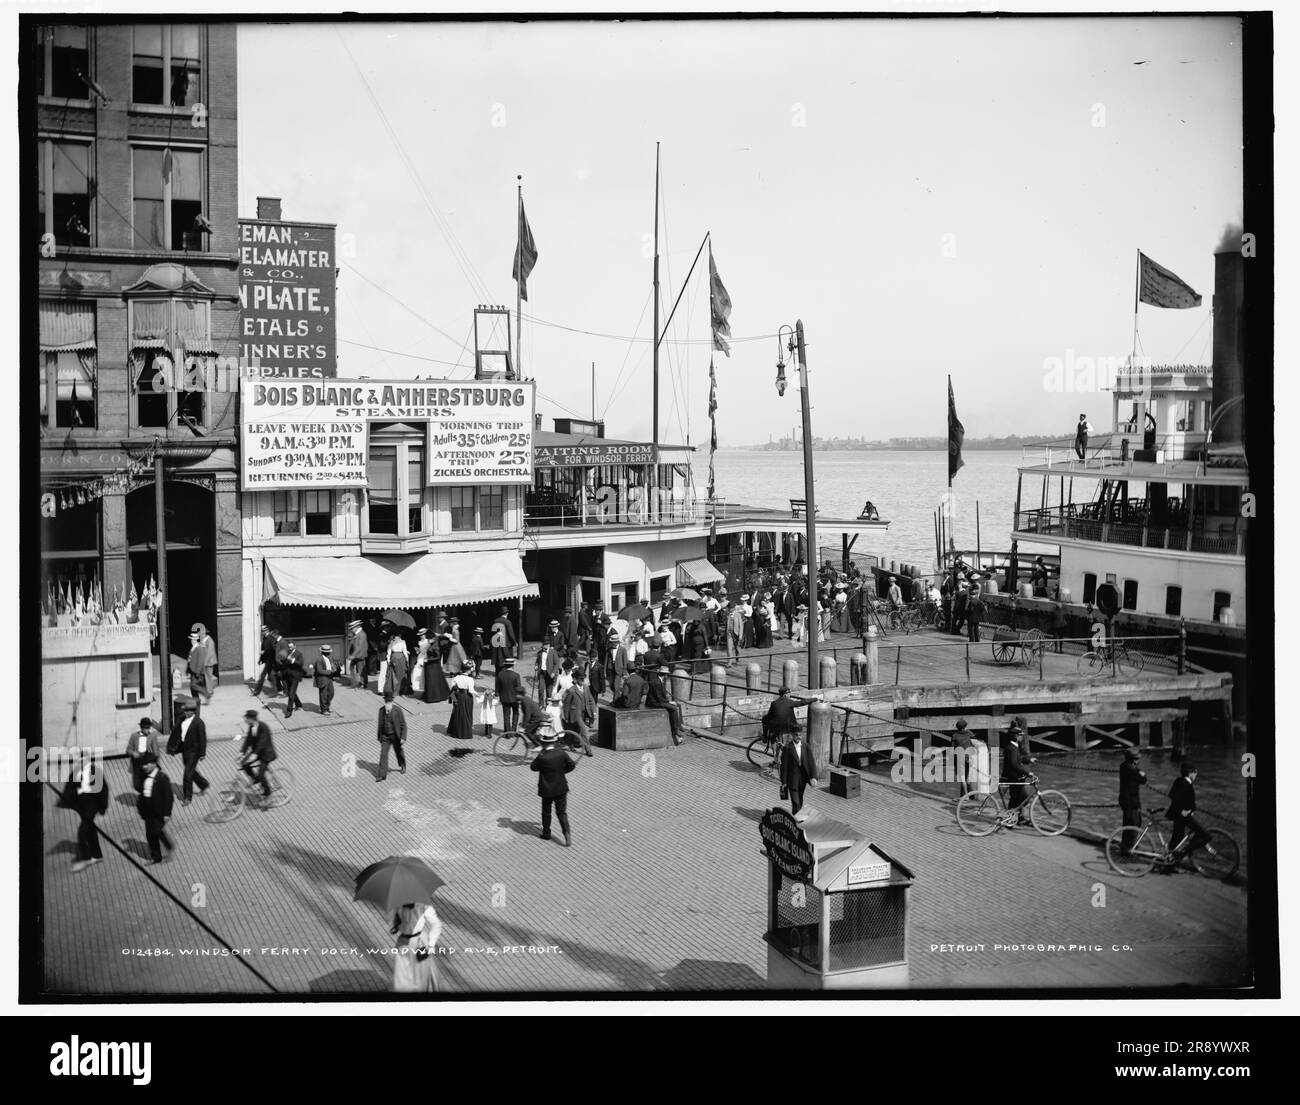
1229	346
268	208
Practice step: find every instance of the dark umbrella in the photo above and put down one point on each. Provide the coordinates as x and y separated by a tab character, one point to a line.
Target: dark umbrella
685	593
399	617
396	881
689	614
634	611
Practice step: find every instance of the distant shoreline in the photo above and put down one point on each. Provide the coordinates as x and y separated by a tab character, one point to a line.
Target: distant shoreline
996	445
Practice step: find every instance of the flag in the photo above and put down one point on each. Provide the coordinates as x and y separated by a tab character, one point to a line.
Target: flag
719	308
956	435
713	440
525	253
1161	288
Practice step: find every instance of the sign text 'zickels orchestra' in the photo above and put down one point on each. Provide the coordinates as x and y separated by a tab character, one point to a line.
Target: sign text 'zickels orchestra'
308	434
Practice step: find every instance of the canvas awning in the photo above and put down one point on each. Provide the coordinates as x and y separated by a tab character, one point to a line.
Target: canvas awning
698	572
404	582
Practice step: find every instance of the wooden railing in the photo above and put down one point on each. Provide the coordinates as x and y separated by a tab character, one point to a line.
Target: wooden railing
1068	522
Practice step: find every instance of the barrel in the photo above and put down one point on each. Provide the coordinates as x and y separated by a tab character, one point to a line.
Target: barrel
989	585
1026	590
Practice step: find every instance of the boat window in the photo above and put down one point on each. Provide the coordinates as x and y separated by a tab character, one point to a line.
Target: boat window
1089	587
1130	601
1222	599
1173	601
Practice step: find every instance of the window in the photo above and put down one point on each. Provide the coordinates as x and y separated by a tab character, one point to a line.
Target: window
166	196
462	509
395	478
318	512
68	362
1222	601
284	512
62	55
1130	599
659	588
131	689
1089	587
64	174
1173	601
159	326
492	508
166	66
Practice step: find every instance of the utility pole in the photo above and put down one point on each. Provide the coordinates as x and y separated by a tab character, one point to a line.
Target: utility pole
164	611
654	359
810	561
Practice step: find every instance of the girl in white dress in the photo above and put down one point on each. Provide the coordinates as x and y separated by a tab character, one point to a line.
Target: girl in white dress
417	929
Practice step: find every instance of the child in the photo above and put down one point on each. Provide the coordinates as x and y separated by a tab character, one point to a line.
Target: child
476	651
489	712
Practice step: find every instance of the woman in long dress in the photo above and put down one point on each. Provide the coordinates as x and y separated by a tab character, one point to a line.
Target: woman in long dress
398	664
436	688
417	663
460	726
417	929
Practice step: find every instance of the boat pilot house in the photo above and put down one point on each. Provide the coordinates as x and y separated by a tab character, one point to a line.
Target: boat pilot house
363	496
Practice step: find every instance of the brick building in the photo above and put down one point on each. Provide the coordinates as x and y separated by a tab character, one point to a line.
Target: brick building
133	169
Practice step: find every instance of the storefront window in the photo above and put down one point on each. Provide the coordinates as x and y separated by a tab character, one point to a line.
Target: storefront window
381	475
462	509
284	511
317	512
395	476
492	508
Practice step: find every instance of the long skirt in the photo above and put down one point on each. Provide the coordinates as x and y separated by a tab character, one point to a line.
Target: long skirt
417	677
411	975
461	723
396	673
435	682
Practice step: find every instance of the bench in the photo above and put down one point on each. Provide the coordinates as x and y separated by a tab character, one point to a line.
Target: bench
800	506
632	730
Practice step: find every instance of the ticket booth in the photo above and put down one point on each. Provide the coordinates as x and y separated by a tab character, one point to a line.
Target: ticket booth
836	907
96	681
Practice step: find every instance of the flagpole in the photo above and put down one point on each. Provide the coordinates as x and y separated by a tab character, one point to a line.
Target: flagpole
519	273
1137	292
655	345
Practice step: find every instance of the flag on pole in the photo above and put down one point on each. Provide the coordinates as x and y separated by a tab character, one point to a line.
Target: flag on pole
719	308
1161	288
956	435
713	440
525	253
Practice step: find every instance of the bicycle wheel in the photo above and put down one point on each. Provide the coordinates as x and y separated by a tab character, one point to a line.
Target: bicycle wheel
227	801
938	621
1219	857
979	814
281	783
1050	812
1092	664
1129	852
761	752
1131	663
510	746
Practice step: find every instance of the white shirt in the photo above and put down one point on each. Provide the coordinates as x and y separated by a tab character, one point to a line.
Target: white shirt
185	727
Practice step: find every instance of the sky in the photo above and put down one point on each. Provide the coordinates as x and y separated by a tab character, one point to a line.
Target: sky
931	197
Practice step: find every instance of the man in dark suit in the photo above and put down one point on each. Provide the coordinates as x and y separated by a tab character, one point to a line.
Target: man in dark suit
547	665
532	719
257	750
323	675
586	627
569	635
1015	770
198	664
155	807
270	639
633	692
1182	810
578	711
295	671
798	770
87	793
392	732
658	695
780	718
1131	778
193	748
510	689
552	765
358	654
961	752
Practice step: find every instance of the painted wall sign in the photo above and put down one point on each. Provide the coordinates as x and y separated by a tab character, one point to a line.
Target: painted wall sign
302	434
286	298
579	456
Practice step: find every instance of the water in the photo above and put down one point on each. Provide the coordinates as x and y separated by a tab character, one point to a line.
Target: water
906	487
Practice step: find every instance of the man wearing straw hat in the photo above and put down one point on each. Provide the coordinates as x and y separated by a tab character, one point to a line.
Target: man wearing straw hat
552	764
358	653
324	673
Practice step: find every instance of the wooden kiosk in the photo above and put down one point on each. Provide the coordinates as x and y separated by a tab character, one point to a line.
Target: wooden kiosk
836	907
96	680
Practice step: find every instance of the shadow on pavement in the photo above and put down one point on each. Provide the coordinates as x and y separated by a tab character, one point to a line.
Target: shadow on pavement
349	982
744	765
750	815
523	828
710	974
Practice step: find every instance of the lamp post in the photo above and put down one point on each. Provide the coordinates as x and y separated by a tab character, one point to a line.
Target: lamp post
795	346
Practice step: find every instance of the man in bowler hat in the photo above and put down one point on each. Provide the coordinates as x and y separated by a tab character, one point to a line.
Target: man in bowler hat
798	770
392	732
155	808
552	764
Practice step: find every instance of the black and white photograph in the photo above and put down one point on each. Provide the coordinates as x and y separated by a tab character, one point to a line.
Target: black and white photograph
629	508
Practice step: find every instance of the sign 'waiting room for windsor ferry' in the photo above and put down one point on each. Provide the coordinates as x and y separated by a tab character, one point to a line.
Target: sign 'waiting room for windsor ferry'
313	434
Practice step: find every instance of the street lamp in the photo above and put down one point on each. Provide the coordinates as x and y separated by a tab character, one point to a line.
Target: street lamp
795	347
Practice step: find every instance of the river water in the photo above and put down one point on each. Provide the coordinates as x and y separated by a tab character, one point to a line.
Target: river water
906	486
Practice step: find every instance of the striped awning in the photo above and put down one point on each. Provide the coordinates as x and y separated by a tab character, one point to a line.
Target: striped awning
698	572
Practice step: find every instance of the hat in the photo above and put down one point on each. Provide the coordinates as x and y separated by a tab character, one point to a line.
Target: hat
251	714
356	624
388	696
893	579
505	612
1131	754
508	660
326	648
647	631
478	629
455	621
663	669
197	627
292	645
547	736
744	598
1014	727
961	724
148	758
421	632
146	723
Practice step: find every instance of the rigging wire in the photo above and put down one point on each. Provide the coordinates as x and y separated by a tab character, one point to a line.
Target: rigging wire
411	310
626	353
634	338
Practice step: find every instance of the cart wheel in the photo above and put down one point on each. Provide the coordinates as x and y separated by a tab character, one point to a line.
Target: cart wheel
1004	652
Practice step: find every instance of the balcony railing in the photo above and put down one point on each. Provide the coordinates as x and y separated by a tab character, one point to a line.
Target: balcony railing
550	509
1070	522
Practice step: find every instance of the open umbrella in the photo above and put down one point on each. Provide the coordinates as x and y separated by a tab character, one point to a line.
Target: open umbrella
397	880
635	610
688	614
399	617
685	593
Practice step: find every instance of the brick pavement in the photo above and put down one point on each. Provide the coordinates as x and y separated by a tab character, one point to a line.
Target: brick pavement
663	890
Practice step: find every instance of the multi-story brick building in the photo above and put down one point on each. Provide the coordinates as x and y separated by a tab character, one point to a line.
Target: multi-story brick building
133	169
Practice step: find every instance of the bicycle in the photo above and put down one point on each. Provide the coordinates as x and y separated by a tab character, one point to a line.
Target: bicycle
514	747
1134	851
764	752
1111	657
230	798
981	814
